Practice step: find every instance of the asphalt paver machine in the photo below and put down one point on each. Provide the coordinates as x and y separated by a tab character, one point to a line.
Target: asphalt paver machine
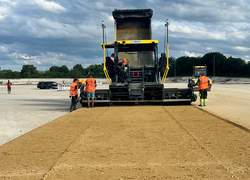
139	79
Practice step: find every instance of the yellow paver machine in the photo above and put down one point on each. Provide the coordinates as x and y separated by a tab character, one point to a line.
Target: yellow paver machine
134	70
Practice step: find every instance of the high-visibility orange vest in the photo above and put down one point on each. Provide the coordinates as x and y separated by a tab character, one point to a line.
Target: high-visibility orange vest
203	82
90	85
74	89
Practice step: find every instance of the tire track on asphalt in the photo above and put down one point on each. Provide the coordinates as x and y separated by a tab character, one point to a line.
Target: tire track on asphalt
51	169
227	169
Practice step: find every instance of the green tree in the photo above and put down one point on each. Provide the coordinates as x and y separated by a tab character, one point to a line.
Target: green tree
236	67
96	70
220	63
184	65
248	69
29	71
9	74
58	72
77	71
64	70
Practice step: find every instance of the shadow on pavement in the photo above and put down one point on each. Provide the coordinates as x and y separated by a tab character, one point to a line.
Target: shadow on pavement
61	105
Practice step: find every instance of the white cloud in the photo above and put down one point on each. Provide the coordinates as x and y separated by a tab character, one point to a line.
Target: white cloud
247	58
209	49
196	27
5	8
48	58
4	49
50	6
196	31
4	11
99	5
237	35
21	56
111	19
191	54
51	59
44	28
242	48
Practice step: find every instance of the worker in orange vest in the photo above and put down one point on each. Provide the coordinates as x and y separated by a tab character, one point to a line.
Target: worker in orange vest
73	94
203	85
90	88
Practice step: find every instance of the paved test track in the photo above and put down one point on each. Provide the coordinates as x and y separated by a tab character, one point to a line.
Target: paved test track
136	142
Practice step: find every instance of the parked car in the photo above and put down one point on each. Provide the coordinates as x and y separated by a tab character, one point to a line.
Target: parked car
47	85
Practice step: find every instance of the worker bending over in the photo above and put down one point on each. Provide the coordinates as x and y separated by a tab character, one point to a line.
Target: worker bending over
73	94
90	89
203	85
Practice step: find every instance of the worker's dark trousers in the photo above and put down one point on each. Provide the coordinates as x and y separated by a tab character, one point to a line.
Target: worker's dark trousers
73	103
203	97
9	90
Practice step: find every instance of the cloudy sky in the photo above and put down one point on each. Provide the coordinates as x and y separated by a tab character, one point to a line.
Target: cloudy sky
57	32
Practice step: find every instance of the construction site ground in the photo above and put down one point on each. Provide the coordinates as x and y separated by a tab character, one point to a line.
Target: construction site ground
136	142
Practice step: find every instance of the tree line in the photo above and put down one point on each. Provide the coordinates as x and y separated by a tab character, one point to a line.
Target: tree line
30	71
217	64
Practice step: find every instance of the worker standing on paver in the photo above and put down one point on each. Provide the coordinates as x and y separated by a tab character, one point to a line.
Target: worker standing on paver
90	88
203	85
9	84
74	94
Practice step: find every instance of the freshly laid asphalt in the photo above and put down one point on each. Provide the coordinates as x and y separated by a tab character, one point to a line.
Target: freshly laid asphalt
136	142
